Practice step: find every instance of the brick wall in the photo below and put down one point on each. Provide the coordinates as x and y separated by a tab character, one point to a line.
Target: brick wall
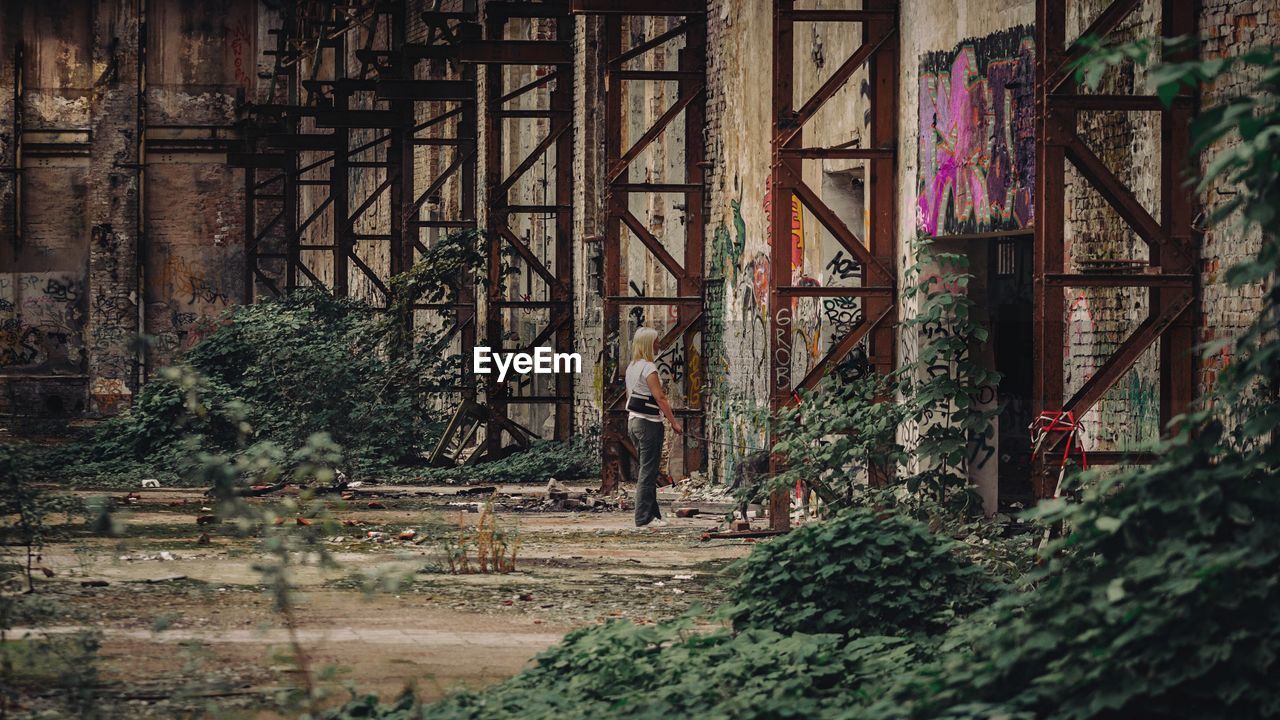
1229	28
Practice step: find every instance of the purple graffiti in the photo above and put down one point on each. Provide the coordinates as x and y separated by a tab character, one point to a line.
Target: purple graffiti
977	142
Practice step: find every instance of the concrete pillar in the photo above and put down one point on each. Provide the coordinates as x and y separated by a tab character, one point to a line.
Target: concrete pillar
114	183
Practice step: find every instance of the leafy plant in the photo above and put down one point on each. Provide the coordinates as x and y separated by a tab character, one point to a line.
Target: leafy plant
864	571
834	435
622	670
24	511
942	388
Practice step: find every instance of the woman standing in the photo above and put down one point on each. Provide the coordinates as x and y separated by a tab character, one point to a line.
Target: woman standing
646	404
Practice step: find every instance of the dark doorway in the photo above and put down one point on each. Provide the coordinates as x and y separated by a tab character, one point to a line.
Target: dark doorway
1009	261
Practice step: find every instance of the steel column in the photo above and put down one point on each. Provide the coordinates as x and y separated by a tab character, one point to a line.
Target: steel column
1172	241
620	153
878	268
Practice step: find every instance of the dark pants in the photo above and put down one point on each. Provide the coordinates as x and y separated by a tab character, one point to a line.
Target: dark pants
647	437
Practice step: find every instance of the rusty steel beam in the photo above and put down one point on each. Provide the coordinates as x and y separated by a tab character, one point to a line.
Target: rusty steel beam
517	52
878	52
619	154
639	8
498	54
1171	274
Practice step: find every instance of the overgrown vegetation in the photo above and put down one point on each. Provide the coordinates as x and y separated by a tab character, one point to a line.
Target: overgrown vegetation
842	439
865	571
1161	600
374	381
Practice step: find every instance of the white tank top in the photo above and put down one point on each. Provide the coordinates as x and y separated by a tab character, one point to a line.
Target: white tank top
638	373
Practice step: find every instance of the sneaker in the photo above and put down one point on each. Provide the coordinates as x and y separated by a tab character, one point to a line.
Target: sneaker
657	523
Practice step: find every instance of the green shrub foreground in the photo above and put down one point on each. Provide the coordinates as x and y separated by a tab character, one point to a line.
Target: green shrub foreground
864	571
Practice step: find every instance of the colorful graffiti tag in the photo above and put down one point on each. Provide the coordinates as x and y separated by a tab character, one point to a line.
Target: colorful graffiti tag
977	143
797	231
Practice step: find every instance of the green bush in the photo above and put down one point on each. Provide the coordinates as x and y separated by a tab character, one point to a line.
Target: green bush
864	571
290	368
621	670
1163	601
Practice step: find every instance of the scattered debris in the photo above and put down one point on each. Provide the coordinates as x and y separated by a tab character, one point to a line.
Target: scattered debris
556	491
203	539
486	490
304	521
256	490
94	583
408	534
699	487
740	526
741	534
162	579
375	505
207	520
686	512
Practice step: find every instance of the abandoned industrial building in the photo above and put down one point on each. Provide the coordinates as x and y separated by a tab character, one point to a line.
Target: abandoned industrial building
379	269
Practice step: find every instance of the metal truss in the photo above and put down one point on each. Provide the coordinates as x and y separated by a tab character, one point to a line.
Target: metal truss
367	118
509	118
877	275
626	191
1171	274
334	121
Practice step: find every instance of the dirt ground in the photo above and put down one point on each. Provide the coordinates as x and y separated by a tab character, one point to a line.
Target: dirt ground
188	628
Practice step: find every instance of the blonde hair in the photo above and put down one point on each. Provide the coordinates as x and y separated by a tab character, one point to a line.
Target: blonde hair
642	344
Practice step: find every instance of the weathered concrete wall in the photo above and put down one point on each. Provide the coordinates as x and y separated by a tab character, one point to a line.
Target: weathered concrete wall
588	221
199	55
44	256
122	218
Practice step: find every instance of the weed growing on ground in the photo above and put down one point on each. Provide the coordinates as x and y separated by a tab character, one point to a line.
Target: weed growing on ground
489	547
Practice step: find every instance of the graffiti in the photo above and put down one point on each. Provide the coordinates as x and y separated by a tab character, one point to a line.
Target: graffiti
671	364
843	268
782	350
728	249
842	315
693	394
976	143
240	40
637	312
43	329
62	289
808	328
797	231
178	277
980	450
